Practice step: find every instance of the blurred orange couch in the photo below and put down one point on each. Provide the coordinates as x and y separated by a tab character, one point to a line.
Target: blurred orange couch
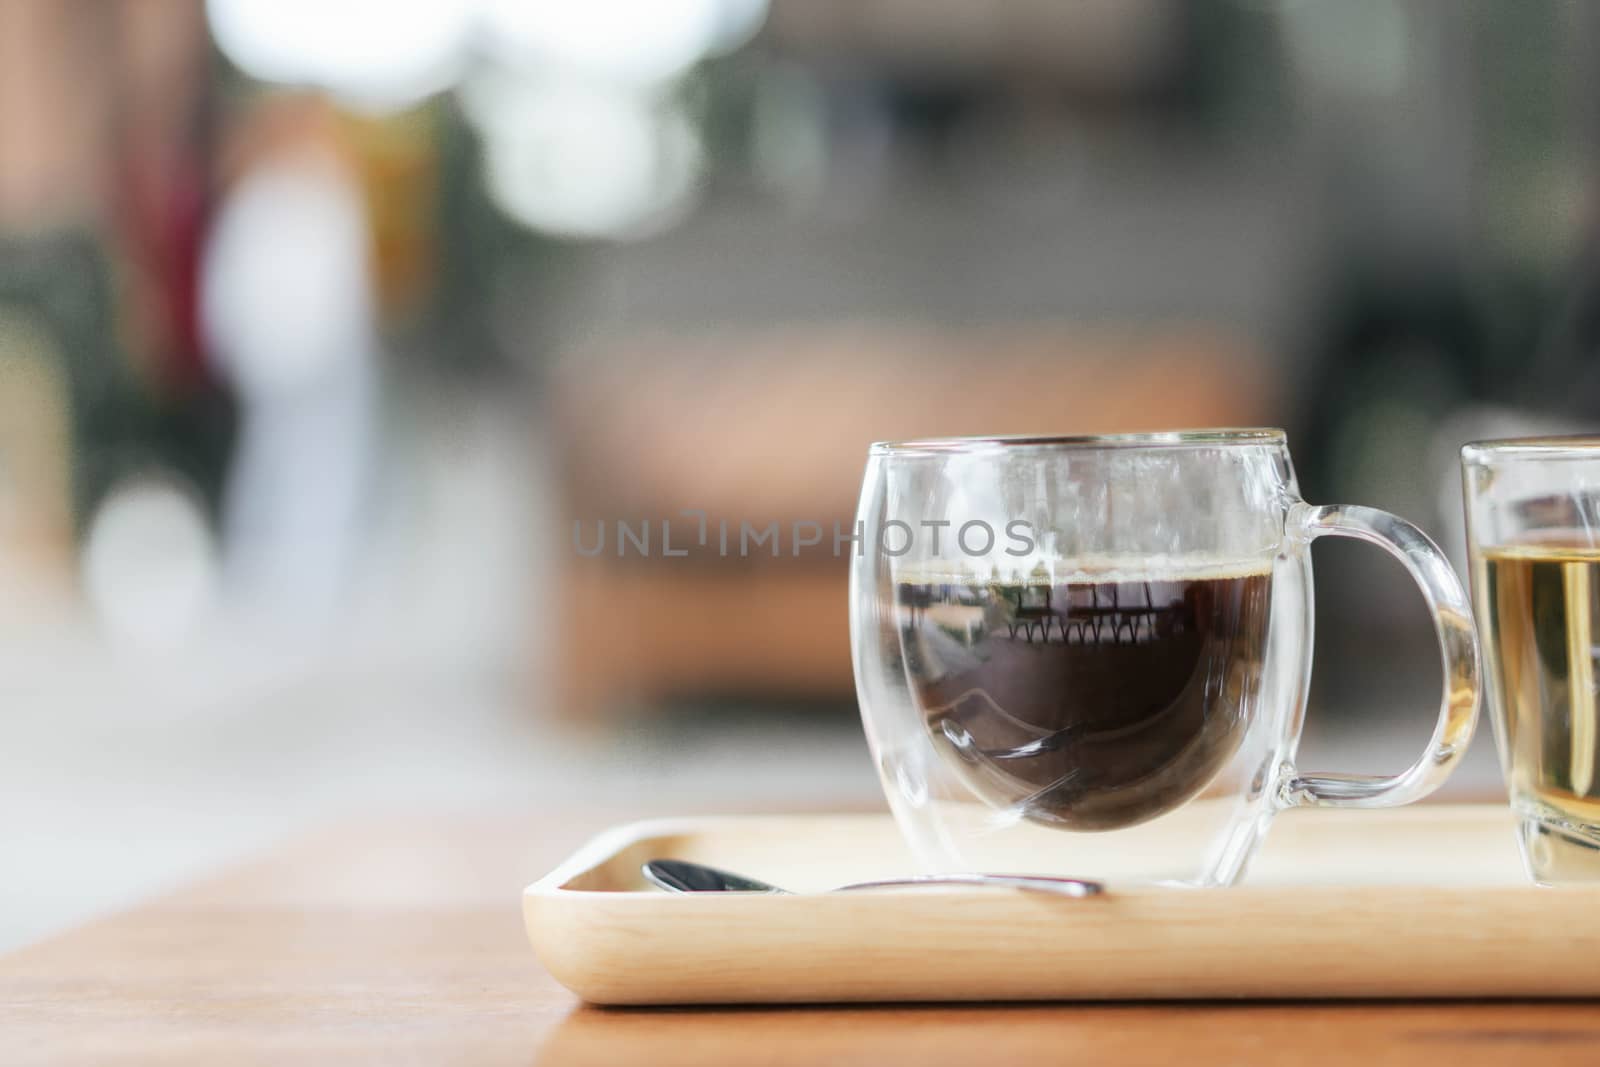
773	425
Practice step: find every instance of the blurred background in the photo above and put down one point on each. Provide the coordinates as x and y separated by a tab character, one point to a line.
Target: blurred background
322	322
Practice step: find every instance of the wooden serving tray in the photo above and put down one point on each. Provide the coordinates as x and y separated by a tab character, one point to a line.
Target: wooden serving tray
1426	901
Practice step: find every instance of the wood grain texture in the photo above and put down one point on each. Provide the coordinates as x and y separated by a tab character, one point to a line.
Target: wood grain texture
1426	901
400	941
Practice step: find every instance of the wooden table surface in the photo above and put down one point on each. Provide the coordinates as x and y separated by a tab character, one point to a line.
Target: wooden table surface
402	941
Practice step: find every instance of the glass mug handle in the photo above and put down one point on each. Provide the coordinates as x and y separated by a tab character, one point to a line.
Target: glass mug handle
1458	649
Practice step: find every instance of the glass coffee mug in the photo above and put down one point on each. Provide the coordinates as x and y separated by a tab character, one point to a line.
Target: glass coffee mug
1089	656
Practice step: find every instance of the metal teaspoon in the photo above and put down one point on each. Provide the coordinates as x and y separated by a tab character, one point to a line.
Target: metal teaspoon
682	876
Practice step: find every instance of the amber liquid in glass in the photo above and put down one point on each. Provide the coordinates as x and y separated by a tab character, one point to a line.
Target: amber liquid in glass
1539	616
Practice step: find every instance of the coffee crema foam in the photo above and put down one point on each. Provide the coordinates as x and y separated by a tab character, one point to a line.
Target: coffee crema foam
1089	570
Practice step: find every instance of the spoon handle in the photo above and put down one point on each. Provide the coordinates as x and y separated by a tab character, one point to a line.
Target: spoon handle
1033	883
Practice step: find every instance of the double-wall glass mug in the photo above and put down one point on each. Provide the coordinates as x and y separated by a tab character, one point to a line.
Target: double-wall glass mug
1089	656
1533	535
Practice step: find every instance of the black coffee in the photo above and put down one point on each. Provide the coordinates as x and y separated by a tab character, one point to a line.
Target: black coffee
1093	702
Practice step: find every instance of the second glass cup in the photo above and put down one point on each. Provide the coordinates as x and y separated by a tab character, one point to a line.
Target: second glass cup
1090	655
1533	533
